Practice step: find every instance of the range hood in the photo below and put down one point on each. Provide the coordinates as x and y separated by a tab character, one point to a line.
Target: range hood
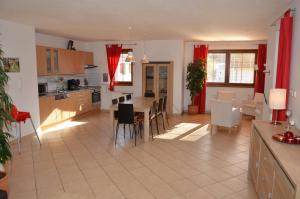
89	66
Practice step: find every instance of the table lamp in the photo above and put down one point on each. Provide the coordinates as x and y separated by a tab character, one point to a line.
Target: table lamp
277	101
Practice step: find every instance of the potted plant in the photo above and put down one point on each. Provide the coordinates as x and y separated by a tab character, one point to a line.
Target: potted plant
196	75
5	124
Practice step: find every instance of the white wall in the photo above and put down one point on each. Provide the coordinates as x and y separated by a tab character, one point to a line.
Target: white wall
18	40
156	50
211	92
294	102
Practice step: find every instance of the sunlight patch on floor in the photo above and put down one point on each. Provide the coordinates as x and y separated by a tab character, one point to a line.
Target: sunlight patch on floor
197	134
178	130
65	125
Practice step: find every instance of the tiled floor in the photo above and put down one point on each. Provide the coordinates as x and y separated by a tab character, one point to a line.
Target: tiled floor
79	160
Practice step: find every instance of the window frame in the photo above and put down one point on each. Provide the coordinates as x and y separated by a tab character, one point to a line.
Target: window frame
125	83
227	69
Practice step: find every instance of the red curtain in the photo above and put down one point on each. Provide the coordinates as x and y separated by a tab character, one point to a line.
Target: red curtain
113	55
259	86
284	58
200	52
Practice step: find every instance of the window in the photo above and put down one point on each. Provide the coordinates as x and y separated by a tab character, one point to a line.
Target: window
123	75
231	67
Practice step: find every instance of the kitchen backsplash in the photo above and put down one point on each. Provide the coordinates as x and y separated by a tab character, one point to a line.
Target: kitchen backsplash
59	82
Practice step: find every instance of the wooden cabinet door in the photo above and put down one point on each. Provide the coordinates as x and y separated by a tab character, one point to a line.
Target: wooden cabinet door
63	109
283	188
66	62
85	101
266	173
41	60
47	112
88	58
79	62
254	157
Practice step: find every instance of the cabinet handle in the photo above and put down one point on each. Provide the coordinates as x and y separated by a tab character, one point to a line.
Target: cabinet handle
269	195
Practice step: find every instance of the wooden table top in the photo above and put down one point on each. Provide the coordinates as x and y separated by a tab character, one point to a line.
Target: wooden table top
287	155
139	103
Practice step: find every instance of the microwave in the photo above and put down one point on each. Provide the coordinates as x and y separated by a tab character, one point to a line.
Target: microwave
43	89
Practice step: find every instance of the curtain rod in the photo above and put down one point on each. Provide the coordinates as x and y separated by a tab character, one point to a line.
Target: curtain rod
293	12
133	44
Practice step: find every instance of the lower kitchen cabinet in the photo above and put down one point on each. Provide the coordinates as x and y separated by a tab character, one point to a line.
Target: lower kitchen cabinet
269	178
54	111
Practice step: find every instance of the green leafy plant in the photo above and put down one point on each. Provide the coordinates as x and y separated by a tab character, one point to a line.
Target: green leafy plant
196	75
5	117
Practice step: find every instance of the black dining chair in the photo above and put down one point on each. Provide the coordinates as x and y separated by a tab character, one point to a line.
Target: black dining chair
128	97
160	111
148	94
121	99
114	101
126	116
165	109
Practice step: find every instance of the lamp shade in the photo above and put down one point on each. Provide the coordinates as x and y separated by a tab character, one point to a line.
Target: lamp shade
277	99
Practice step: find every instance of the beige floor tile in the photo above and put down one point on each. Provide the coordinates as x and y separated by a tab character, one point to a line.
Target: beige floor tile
202	180
218	190
183	186
197	194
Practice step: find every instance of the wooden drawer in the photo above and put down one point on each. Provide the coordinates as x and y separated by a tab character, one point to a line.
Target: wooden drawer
264	184
283	188
267	160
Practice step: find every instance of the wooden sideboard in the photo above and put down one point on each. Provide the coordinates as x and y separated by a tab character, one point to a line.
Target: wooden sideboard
273	166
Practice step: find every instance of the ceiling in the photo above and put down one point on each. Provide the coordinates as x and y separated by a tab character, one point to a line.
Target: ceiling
209	20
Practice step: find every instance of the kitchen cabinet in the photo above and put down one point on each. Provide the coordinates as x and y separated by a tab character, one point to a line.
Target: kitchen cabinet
271	164
47	111
158	80
58	61
47	61
54	111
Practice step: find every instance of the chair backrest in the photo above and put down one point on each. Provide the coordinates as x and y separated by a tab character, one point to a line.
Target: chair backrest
153	109
14	112
149	94
259	98
114	101
221	112
160	105
128	97
226	95
125	114
165	104
121	99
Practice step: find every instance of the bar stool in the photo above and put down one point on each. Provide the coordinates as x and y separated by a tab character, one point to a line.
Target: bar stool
19	117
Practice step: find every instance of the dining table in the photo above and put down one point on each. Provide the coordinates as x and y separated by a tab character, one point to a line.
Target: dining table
140	105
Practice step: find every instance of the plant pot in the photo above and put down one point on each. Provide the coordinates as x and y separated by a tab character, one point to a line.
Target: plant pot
3	181
193	109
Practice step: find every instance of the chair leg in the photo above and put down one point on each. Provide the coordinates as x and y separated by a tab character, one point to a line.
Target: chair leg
156	121
211	129
151	129
116	136
167	118
140	126
124	130
134	135
129	130
19	138
37	136
162	116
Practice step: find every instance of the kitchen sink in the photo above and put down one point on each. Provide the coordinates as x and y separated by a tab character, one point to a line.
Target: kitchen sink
61	96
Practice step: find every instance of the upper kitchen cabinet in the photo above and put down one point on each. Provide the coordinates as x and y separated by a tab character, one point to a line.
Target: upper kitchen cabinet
58	61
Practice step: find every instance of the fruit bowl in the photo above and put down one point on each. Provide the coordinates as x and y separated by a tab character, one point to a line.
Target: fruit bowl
287	137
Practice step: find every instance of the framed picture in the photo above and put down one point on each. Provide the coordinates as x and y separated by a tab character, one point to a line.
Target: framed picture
11	64
105	77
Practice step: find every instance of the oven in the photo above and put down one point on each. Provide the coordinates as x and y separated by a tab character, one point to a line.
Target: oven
96	97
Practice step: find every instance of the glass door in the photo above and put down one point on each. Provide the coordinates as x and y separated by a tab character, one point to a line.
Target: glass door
149	79
163	71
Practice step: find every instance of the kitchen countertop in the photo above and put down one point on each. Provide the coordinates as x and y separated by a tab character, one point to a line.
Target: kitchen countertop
53	93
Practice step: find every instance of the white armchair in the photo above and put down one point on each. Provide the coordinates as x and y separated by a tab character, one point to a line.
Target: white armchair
228	96
223	113
254	107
